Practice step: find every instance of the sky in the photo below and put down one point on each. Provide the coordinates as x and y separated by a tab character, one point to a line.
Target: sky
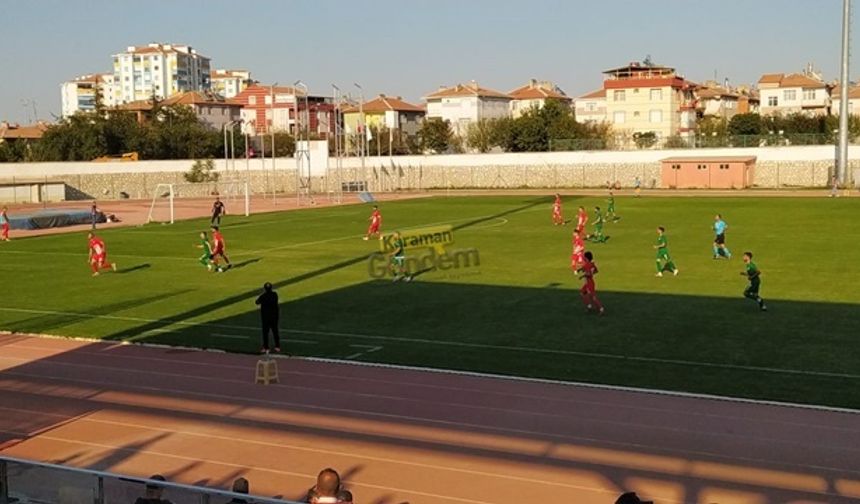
409	48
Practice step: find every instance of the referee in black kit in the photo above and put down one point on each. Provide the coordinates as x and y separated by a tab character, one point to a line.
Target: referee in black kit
269	314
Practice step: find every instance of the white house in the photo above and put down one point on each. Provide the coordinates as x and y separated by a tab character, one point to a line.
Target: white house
853	100
792	93
591	107
534	95
465	104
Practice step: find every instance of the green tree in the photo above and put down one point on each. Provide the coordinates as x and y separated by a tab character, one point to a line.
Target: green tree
435	135
746	124
203	170
645	139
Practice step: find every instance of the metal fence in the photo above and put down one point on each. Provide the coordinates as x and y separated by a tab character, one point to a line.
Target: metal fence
694	142
24	481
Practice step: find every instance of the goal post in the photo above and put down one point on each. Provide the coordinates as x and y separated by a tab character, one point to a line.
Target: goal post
168	198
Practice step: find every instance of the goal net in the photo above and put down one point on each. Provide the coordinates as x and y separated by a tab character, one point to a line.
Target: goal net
175	201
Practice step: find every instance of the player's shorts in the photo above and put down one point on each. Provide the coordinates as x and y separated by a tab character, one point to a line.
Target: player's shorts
753	288
218	252
398	260
100	259
720	239
374	228
588	288
663	254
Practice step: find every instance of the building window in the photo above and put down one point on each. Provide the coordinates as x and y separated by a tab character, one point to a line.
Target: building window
618	95
808	94
618	117
656	95
655	116
636	113
252	100
772	101
590	106
789	95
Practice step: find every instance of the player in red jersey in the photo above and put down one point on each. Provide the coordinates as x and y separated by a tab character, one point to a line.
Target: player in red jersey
581	219
98	255
4	225
557	215
218	249
577	258
375	222
588	290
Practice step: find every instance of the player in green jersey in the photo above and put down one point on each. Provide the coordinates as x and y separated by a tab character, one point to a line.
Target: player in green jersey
664	261
753	274
206	258
599	220
397	264
610	208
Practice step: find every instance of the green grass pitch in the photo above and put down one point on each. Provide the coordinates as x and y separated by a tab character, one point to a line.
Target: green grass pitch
518	313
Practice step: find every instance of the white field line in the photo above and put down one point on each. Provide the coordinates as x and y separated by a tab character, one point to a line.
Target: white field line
490	376
367	349
462	344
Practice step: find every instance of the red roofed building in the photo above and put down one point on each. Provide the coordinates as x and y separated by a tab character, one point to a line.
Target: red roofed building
853	100
534	95
267	109
465	104
804	92
643	98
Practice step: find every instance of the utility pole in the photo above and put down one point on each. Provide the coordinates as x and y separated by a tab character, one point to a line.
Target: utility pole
842	157
363	134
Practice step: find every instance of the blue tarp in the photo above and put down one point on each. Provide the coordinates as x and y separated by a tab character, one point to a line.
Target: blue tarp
55	217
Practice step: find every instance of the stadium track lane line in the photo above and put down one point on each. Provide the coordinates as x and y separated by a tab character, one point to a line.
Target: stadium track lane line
262	469
393	398
576	353
192	433
663	451
465	406
434	371
768	487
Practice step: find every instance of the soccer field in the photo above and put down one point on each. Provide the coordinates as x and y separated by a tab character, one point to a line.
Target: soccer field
516	313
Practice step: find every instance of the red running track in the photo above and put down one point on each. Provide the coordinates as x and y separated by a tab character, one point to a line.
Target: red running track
409	436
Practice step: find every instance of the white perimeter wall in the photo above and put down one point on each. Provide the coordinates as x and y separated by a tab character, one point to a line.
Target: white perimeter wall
819	153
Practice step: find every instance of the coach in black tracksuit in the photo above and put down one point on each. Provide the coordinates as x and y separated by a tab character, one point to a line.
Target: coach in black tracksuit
269	311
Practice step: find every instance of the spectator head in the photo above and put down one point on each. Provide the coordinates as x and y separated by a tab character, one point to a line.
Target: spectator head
217	198
241	486
631	498
328	483
267	286
154	490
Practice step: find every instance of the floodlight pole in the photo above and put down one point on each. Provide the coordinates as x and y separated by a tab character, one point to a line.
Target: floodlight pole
272	131
842	159
363	136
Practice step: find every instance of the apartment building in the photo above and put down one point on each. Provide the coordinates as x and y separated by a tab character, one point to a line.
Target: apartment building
534	95
229	83
213	111
465	104
267	109
159	70
591	107
649	98
804	92
80	94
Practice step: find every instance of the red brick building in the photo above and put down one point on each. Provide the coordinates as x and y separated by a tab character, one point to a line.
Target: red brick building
267	109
